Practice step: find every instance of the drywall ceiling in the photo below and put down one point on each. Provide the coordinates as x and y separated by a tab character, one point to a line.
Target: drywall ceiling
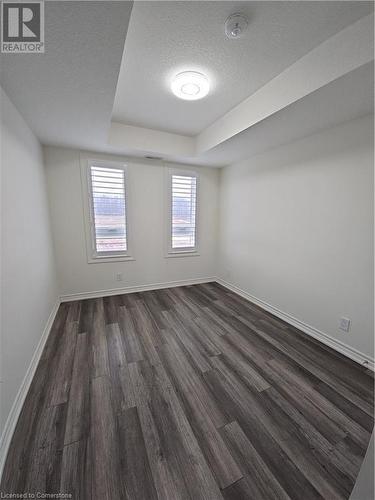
348	50
66	94
165	38
346	98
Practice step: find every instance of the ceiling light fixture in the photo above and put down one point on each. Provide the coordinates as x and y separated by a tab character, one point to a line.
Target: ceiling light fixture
235	25
190	85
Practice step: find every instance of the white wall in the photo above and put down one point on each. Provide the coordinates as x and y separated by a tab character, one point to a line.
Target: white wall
146	222
296	230
28	278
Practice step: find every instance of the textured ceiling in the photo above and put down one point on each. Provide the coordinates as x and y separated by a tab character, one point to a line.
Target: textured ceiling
346	98
66	95
167	37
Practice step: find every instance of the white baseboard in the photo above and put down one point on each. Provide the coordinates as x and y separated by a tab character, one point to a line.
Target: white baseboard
346	350
132	289
15	411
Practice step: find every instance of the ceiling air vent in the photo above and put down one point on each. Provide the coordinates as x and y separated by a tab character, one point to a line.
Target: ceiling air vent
149	157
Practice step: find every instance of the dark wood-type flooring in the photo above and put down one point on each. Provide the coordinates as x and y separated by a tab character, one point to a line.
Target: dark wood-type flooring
188	393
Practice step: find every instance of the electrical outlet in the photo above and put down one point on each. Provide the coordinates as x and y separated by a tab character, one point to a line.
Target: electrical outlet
119	277
344	324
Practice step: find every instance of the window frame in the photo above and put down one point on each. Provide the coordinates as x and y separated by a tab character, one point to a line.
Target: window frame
180	252
93	256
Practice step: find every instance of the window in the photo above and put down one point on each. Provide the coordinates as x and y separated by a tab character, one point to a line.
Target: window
182	212
107	210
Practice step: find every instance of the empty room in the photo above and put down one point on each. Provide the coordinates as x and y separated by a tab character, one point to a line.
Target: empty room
187	250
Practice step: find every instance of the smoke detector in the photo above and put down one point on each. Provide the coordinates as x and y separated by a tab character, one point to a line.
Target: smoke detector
235	25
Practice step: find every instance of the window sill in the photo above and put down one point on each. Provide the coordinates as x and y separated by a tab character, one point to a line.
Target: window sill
114	258
192	253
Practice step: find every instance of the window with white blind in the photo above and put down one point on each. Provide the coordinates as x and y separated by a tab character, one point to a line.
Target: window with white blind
108	210
182	212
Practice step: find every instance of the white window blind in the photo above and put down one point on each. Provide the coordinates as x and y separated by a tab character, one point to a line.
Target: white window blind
184	201
108	207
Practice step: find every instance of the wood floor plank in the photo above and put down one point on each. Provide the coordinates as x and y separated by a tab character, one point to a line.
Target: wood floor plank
204	338
358	433
183	299
51	427
218	317
210	330
155	307
106	471
128	397
204	416
45	453
354	379
117	361
209	291
56	332
132	344
232	353
168	477
64	362
43	472
86	317
136	469
313	462
346	406
146	331
244	489
75	308
270	422
285	471
186	340
323	375
198	476
162	298
76	470
189	383
295	392
110	305
239	305
79	397
179	444
116	350
197	296
98	343
188	393
342	462
266	485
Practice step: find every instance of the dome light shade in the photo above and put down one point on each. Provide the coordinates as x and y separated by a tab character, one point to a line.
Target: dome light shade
190	85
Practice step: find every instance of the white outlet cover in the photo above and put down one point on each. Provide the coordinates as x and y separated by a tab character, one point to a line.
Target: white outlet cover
344	324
